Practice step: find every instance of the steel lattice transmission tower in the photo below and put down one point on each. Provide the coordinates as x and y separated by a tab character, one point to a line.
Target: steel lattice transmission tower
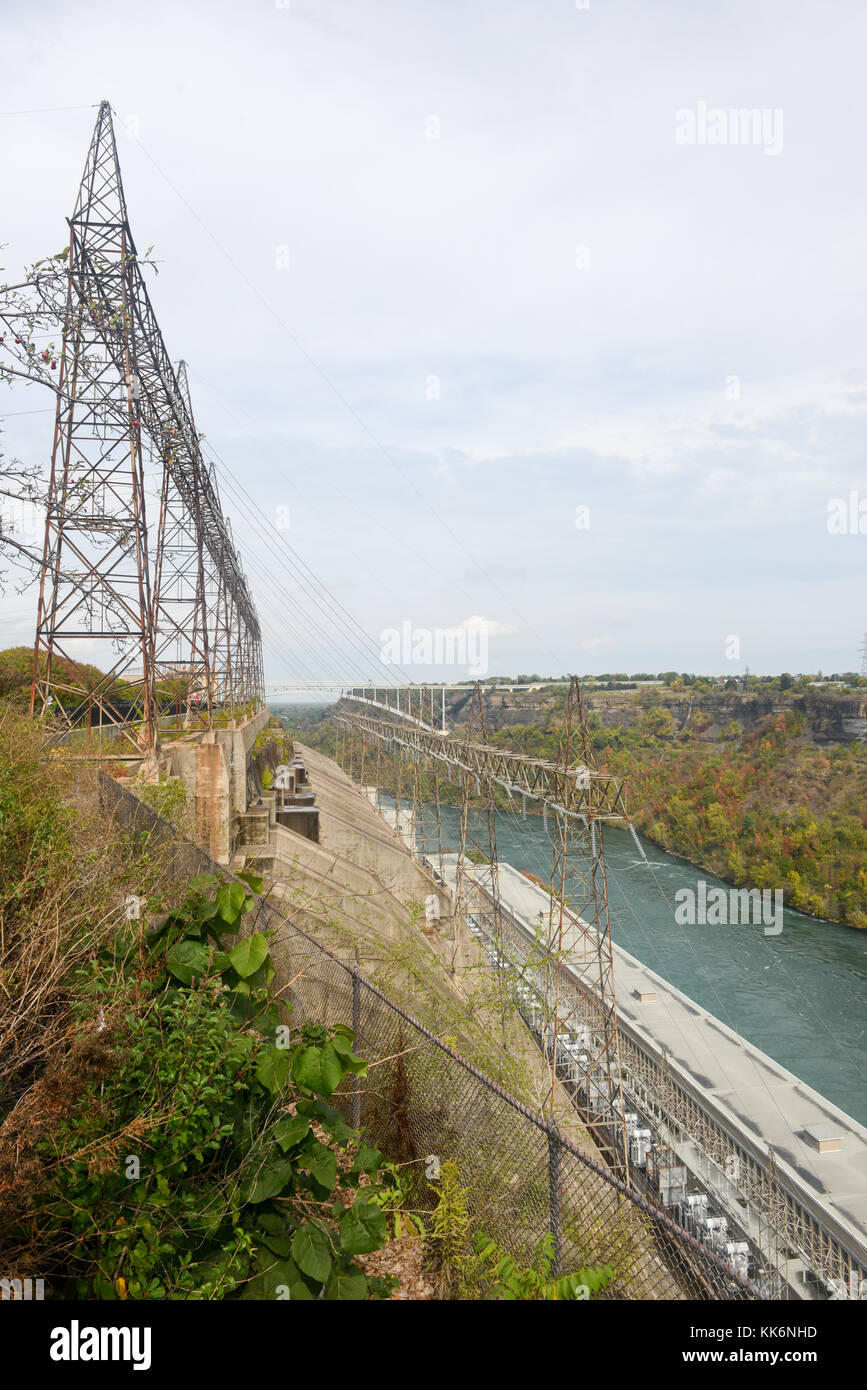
176	619
571	965
579	927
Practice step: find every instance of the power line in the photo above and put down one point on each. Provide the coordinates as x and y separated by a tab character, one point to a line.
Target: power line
236	487
10	414
346	404
44	110
268	578
395	538
305	614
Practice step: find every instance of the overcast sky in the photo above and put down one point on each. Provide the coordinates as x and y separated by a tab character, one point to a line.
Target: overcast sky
512	292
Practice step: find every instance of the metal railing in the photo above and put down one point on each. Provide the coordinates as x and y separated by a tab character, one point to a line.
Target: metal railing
423	1105
796	1222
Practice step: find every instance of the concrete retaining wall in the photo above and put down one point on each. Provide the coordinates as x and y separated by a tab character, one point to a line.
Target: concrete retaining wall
213	767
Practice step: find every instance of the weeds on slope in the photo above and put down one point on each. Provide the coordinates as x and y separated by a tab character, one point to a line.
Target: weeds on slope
163	1131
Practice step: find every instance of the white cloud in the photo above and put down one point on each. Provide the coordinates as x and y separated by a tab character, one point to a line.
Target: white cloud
489	625
455	258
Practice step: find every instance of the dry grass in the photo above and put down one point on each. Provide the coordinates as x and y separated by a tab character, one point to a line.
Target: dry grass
66	874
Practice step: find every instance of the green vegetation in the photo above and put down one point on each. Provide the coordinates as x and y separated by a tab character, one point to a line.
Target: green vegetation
510	1281
751	785
311	724
753	801
272	747
206	1163
478	1263
762	810
169	799
164	1130
480	1021
16	674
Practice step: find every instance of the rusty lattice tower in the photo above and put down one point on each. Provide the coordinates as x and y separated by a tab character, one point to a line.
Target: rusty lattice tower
570	967
166	614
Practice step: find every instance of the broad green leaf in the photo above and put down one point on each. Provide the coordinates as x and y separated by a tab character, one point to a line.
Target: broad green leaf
320	1069
215	1268
291	1130
366	1161
253	881
272	1068
188	960
311	1252
322	1163
249	954
155	931
281	1245
329	1118
342	1133
269	1019
362	1228
345	1285
275	1277
230	897
270	1181
271	1222
328	1114
263	976
238	1051
239	1008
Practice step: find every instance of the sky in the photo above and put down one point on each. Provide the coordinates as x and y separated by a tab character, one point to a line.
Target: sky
498	311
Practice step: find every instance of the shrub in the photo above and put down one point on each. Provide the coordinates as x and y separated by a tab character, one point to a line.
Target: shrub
206	1161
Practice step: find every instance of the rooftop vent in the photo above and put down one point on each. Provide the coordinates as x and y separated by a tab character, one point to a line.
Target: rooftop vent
826	1139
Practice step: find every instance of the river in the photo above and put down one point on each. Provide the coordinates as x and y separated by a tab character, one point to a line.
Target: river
800	996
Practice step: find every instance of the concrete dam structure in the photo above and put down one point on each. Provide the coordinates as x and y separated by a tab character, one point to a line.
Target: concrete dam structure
744	1156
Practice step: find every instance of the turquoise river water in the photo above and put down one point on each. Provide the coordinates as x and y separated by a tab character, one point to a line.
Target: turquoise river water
800	996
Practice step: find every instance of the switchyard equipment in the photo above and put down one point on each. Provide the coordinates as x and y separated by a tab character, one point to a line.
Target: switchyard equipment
654	1169
749	1211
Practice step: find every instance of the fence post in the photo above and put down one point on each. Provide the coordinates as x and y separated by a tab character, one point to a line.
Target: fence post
355	1119
554	1154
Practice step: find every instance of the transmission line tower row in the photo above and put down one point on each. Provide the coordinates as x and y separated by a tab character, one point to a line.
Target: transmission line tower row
169	607
574	970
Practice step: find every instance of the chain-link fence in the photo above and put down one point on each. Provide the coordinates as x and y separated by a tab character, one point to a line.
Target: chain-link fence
423	1105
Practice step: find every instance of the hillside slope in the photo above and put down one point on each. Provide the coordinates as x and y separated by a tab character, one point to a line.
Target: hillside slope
766	791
